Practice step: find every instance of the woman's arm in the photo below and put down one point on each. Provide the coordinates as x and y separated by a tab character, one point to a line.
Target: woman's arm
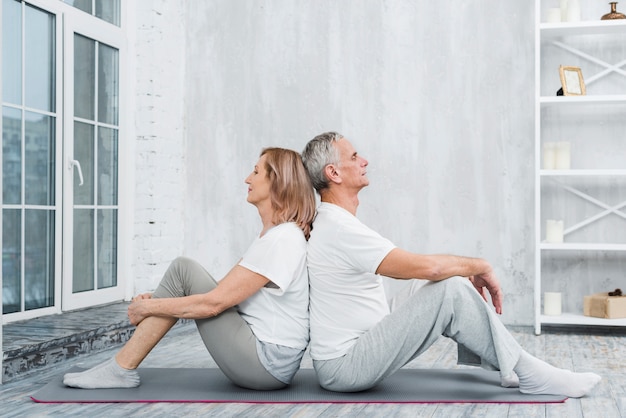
238	285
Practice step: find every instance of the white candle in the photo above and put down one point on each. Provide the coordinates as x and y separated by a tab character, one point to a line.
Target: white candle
549	155
573	11
552	303
563	155
554	231
563	7
553	15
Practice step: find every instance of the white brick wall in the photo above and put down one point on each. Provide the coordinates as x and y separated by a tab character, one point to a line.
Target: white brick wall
159	149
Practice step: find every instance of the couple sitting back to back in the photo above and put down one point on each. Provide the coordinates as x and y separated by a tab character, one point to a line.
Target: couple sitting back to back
255	321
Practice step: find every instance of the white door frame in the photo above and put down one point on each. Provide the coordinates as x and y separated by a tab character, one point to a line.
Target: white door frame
102	32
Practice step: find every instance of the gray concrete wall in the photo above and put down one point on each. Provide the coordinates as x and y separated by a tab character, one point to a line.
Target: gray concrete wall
438	96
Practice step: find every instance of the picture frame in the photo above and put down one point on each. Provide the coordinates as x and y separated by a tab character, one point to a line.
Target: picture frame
572	81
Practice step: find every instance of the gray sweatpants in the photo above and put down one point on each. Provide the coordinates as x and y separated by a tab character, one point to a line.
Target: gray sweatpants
451	307
227	336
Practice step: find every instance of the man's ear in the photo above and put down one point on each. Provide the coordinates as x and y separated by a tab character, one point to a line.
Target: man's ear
332	173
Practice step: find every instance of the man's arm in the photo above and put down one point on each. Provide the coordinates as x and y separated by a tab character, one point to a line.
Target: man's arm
238	285
401	264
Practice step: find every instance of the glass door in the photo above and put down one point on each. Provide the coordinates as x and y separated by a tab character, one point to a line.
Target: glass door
91	207
61	130
31	147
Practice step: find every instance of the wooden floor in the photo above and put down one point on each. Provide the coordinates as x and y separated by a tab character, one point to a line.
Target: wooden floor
602	351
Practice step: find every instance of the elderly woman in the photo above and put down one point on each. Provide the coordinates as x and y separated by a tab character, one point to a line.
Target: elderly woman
255	321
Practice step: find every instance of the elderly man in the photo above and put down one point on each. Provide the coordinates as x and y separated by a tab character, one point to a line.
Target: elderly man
356	339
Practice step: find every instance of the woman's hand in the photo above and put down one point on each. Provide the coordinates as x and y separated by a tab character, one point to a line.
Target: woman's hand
143	296
137	310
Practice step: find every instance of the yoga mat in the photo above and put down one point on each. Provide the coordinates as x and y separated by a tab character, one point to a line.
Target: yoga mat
210	385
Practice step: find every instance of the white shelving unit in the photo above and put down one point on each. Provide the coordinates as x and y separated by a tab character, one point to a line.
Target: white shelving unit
548	109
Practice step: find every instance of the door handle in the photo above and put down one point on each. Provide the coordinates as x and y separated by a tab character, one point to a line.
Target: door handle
76	163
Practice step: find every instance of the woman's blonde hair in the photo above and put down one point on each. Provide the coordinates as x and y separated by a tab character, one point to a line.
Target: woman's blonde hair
291	191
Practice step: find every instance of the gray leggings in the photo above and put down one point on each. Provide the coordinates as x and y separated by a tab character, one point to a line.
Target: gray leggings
227	336
451	307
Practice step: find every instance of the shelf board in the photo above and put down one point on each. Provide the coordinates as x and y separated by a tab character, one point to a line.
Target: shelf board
589	27
580	100
576	319
582	246
583	173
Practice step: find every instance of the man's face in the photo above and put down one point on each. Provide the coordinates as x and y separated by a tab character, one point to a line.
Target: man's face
352	167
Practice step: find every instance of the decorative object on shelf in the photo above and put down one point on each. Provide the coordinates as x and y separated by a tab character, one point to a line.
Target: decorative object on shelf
563	8
563	155
553	15
552	303
603	305
616	292
556	155
572	81
554	231
573	10
549	155
614	14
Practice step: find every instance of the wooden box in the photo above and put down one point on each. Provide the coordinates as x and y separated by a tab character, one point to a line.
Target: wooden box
601	305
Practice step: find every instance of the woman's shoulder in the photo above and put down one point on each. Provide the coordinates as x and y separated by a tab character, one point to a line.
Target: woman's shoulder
285	230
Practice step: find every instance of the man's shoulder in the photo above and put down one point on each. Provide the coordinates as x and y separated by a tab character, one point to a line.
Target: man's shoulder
333	218
332	212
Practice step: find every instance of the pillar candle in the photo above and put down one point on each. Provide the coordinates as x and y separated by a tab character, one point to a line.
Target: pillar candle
553	15
549	155
554	231
573	11
563	155
552	303
563	7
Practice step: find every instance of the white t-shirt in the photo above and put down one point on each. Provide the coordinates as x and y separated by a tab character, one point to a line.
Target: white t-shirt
346	297
278	313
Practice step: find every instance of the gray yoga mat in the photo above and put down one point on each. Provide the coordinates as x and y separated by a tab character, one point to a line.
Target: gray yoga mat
210	385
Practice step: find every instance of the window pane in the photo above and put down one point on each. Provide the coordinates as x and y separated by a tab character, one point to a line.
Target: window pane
84	154
107	248
39	159
84	77
11	156
39	83
84	5
108	84
82	274
38	259
107	166
108	10
12	51
11	260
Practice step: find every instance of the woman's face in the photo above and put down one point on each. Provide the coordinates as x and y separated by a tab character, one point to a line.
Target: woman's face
258	184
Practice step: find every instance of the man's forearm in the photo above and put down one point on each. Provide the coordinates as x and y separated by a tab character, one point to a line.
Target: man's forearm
401	264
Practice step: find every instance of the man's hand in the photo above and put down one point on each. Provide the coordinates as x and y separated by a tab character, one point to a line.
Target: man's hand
488	281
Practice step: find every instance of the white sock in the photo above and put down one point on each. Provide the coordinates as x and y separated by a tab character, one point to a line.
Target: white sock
103	376
75	374
509	381
538	377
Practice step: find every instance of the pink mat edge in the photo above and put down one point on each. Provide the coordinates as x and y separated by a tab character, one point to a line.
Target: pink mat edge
310	402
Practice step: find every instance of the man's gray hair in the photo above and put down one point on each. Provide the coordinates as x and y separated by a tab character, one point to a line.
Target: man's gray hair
318	153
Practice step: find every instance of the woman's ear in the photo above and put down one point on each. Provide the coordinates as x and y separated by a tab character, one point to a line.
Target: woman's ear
332	173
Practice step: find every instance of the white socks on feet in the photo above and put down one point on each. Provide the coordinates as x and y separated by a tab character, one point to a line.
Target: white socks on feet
510	381
538	377
106	375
